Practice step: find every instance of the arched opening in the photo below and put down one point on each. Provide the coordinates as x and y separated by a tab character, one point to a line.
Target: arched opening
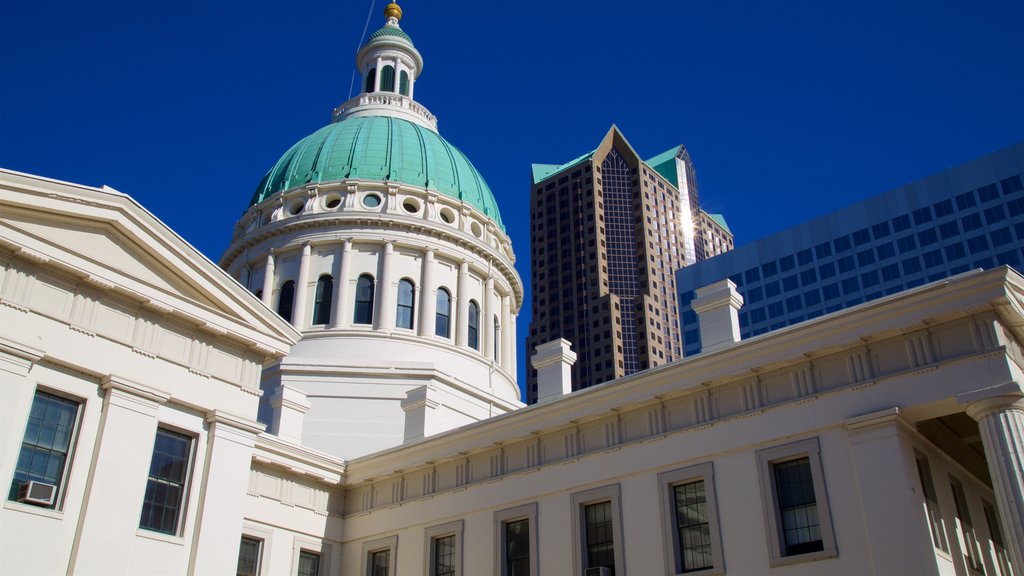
364	300
406	304
371	79
387	79
323	300
403	83
474	325
443	313
286	301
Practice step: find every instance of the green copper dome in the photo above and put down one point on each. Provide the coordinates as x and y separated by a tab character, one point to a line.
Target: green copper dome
380	148
390	31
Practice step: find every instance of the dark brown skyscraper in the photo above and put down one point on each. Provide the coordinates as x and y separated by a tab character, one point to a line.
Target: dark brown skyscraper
608	231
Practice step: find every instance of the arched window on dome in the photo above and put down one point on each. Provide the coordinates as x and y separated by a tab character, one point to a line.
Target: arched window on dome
371	79
364	300
387	79
474	325
286	300
443	313
323	299
403	83
406	304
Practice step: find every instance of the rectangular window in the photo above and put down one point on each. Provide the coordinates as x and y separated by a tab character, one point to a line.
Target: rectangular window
965	200
249	553
901	223
379	556
995	531
167	485
693	543
922	215
515	532
598	530
944	208
842	244
309	563
968	539
45	449
444	549
931	504
926	237
793	486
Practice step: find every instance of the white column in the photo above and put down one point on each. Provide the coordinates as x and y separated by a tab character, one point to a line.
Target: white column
489	311
1001	422
302	289
461	298
342	309
384	293
268	281
507	334
376	76
427	295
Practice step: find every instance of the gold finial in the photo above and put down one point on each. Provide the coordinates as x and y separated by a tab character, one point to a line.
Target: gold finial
393	10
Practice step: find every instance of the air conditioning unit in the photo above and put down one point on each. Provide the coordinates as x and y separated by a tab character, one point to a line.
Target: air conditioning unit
598	571
38	493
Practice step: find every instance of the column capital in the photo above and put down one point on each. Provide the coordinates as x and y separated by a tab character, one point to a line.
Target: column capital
1004	403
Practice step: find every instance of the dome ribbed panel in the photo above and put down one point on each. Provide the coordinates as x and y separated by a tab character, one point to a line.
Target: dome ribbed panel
380	148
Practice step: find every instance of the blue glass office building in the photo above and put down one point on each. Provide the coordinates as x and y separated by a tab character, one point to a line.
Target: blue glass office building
971	216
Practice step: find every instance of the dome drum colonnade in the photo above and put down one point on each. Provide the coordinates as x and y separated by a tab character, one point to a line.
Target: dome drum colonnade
412	249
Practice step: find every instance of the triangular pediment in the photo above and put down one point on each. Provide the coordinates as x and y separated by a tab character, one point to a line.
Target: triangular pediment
102	246
105	237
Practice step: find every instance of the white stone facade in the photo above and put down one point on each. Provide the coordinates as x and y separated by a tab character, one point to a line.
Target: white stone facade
904	412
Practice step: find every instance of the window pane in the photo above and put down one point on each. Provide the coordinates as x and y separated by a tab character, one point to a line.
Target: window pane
286	300
364	300
165	489
444	556
323	300
600	544
406	307
249	557
309	563
517	548
797	507
693	530
380	563
47	441
442	314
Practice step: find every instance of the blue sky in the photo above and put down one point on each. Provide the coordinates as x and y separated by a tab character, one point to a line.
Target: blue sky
790	109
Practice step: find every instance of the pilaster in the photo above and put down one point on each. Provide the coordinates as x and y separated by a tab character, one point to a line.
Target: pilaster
342	309
428	296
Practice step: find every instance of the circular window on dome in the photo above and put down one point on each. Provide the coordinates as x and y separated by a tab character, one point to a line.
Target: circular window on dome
371	200
411	205
478	231
295	207
447	216
332	201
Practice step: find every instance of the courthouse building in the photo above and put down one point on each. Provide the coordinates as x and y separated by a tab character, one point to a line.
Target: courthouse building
338	398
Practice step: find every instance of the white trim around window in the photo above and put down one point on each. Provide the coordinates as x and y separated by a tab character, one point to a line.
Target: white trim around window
264	535
803	453
319	547
580	502
697	481
434	533
390	544
502	519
